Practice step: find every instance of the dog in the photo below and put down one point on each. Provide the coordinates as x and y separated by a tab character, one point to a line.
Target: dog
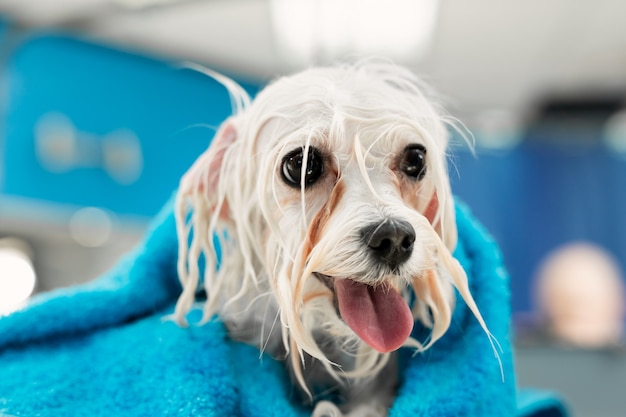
320	223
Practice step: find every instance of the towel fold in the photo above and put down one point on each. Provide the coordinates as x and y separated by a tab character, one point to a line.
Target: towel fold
103	348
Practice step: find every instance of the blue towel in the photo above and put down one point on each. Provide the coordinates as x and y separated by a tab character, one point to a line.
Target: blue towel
103	349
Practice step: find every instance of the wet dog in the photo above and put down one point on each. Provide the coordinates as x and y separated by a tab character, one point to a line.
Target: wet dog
323	214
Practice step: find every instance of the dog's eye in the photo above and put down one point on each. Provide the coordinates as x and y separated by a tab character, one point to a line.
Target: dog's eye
413	162
292	167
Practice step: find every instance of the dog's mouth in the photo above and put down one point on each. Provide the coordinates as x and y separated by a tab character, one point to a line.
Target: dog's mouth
379	315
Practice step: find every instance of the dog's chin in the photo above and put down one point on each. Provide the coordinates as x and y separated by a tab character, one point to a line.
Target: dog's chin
378	315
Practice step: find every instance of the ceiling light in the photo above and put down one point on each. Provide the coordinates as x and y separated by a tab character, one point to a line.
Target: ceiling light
17	275
310	31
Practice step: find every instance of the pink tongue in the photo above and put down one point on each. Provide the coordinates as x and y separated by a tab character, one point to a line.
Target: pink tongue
379	316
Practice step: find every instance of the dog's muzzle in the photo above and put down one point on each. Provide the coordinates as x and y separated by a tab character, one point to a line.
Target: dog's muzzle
389	242
377	313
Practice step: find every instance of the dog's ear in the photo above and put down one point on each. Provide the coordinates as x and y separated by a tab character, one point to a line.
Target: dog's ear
200	202
202	179
442	217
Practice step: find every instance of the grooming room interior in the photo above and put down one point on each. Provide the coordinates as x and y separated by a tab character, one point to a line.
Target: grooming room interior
101	113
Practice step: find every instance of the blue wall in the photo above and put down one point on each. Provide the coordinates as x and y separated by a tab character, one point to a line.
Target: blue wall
541	195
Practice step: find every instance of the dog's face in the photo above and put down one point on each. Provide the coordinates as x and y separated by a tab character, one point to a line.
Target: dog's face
352	204
331	196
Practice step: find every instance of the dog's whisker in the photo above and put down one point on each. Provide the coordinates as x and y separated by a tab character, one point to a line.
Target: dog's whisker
268	337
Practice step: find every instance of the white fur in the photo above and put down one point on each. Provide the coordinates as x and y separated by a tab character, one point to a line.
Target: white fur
266	289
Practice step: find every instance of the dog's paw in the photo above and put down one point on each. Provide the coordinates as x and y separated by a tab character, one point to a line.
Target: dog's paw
326	409
367	410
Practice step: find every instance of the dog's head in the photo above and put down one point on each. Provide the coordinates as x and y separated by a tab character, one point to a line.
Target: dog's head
329	194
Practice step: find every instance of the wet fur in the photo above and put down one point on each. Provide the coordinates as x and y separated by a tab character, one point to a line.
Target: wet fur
281	246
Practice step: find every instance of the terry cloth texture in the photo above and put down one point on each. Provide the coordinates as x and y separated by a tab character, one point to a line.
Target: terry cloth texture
103	349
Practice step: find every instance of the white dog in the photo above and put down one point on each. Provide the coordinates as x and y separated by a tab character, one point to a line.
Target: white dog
329	201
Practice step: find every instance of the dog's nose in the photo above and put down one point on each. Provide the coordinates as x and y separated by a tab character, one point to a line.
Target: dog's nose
390	242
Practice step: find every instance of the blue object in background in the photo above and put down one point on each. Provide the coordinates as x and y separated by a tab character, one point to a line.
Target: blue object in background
538	196
88	125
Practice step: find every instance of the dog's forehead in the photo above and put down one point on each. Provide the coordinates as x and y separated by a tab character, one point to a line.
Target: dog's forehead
342	140
337	111
348	90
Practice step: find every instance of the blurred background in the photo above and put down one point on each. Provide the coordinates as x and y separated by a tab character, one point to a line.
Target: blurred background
99	119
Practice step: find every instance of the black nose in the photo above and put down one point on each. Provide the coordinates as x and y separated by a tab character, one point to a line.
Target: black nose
390	242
